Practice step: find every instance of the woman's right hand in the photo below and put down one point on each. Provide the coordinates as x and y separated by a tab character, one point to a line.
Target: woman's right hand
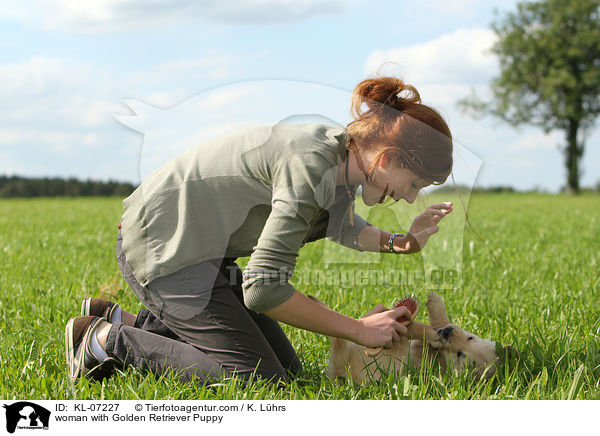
379	327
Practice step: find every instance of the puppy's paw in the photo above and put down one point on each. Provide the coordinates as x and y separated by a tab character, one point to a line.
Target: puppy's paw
434	302
437	311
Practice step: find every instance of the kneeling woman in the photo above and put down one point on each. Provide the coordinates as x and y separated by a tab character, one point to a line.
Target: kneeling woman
262	192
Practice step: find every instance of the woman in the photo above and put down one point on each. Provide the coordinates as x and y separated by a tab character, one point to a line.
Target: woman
261	192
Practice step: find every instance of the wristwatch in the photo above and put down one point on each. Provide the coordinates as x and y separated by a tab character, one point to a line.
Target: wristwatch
391	242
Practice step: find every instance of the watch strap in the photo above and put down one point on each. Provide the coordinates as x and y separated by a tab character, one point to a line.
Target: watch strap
391	241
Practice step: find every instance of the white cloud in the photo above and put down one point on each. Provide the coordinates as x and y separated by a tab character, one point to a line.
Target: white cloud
444	70
459	57
44	90
58	141
109	15
47	91
41	75
62	109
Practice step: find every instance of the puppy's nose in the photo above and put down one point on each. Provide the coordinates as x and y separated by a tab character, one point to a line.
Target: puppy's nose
446	332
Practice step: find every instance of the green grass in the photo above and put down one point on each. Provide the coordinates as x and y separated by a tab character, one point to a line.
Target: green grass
540	292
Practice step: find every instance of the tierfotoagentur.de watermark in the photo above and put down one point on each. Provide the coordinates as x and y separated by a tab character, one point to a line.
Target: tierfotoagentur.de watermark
358	277
169	132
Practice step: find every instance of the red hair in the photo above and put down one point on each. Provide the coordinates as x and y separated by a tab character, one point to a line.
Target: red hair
396	122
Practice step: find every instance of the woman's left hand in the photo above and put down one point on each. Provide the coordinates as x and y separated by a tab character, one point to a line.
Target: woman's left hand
422	228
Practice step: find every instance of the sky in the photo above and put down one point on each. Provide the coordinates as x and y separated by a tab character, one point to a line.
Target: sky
112	89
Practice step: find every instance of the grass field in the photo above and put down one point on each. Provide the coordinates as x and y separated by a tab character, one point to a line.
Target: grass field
540	292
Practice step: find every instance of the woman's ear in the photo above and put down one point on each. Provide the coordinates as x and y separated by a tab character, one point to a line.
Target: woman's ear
385	160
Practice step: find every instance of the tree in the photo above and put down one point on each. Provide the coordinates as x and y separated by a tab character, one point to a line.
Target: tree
549	55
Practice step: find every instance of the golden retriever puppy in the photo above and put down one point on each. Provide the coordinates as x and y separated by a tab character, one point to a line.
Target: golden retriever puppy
441	342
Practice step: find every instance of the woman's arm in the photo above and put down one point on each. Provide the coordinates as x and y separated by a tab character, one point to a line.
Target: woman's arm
374	330
373	239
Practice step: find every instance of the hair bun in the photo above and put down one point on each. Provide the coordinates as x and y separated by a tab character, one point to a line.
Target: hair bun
407	95
383	92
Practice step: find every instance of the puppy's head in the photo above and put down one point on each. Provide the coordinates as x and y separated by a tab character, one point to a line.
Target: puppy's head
462	349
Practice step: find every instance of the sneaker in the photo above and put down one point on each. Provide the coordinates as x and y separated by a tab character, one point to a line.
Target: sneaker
81	361
97	307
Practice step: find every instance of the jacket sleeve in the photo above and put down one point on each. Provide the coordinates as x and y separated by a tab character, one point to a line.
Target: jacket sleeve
339	229
302	184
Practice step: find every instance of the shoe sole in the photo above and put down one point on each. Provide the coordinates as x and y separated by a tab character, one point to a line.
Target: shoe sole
72	363
86	307
76	354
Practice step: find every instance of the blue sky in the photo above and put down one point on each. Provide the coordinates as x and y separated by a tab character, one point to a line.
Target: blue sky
68	67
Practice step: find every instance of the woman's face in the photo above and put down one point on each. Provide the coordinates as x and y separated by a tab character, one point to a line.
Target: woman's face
391	181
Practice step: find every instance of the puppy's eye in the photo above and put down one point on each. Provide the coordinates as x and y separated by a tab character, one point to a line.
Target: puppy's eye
459	354
470	338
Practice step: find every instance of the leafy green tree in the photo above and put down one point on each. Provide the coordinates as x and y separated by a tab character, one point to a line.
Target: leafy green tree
549	55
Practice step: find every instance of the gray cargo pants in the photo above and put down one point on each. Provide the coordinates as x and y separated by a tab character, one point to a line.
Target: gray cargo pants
200	329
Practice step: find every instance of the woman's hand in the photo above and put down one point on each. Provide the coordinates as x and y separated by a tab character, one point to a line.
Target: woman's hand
422	228
379	327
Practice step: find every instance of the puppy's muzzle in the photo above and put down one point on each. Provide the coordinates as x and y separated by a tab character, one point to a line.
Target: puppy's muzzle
446	332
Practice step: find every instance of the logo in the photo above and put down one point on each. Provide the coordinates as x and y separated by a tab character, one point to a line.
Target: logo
278	105
26	415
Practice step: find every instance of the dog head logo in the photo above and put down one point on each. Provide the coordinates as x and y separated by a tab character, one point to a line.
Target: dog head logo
26	415
168	132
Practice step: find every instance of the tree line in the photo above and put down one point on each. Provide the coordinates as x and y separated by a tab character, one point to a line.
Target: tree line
15	186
